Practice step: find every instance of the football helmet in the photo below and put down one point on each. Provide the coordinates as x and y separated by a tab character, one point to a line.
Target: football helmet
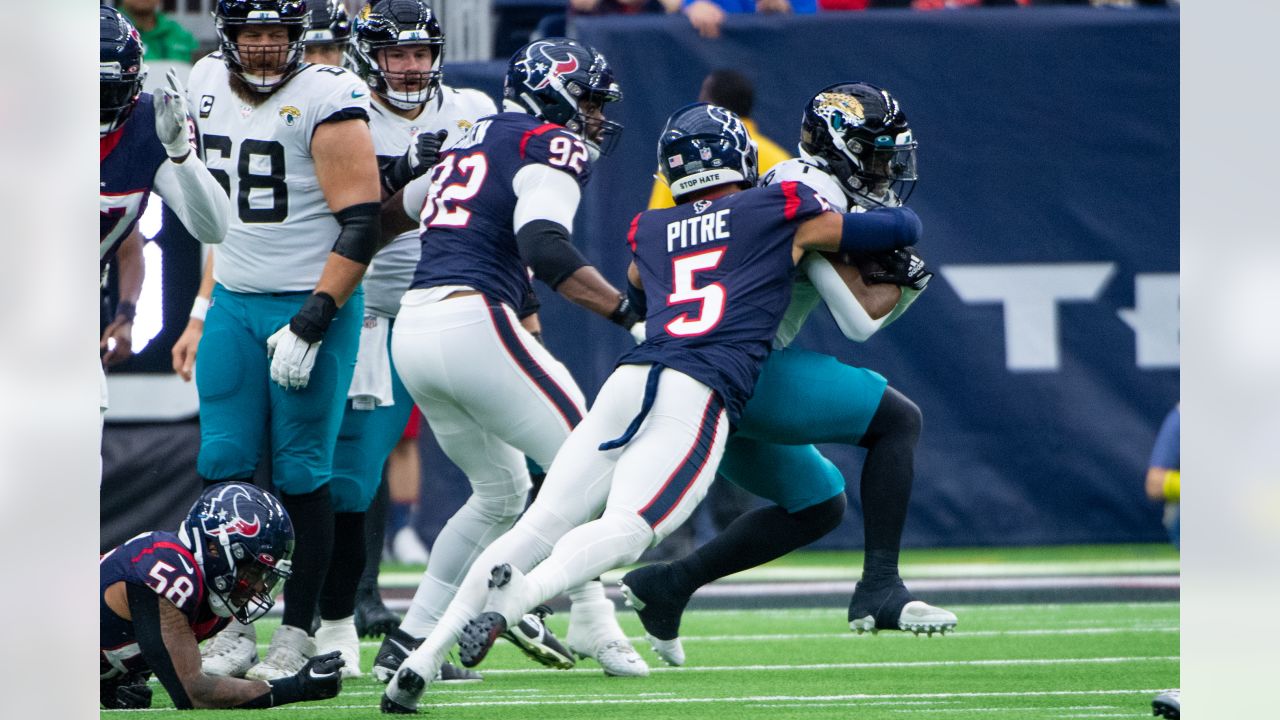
242	539
705	145
329	23
120	69
553	79
861	134
231	16
396	23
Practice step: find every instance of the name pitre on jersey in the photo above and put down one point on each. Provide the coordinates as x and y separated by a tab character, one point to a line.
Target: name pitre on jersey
452	109
281	229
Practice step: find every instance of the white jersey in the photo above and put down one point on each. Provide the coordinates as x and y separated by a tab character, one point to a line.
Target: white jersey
804	296
281	229
452	109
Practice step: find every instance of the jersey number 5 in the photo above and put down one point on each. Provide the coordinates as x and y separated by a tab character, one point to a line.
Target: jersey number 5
710	298
440	208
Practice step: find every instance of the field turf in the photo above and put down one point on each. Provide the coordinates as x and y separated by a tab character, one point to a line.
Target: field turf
1004	661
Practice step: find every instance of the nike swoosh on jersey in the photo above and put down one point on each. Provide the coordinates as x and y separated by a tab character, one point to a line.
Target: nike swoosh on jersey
186	564
356	94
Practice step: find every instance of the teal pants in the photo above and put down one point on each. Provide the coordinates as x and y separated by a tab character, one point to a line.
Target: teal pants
800	398
365	440
243	413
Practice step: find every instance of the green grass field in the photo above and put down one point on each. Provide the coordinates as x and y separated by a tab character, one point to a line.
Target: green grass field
1089	660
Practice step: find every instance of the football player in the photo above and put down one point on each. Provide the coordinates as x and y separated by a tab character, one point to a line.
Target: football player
498	204
719	267
290	142
145	144
161	593
326	39
858	153
398	46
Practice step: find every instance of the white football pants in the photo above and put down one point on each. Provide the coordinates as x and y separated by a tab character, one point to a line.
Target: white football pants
597	509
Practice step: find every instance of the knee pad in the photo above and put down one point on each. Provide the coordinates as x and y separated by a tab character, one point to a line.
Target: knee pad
636	532
499	508
297	477
350	495
222	460
825	516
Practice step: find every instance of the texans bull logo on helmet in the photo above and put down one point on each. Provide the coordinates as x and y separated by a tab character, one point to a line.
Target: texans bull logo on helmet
548	65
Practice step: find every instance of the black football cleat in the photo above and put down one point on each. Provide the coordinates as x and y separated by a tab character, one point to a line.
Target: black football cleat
1167	704
536	640
478	637
373	617
890	606
646	592
396	646
401	697
451	673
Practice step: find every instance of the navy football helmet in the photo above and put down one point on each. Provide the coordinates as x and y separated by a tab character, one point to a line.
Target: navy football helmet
242	539
565	82
398	23
861	133
254	65
120	69
329	23
705	145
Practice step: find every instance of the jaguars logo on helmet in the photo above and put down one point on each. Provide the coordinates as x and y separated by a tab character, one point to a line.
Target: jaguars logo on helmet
242	539
568	83
262	67
860	133
121	72
705	145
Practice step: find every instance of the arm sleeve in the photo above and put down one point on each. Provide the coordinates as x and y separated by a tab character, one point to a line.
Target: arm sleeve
190	190
414	195
144	607
851	317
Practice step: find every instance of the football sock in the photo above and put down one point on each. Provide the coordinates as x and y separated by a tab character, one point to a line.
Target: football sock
887	475
375	525
753	539
312	516
338	596
476	524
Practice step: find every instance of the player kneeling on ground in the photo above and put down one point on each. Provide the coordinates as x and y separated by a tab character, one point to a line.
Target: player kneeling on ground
162	593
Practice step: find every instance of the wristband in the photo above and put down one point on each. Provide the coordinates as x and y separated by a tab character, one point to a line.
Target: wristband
126	310
200	308
1172	485
313	320
625	315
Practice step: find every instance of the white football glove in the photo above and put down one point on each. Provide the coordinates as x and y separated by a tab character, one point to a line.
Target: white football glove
637	332
171	117
292	358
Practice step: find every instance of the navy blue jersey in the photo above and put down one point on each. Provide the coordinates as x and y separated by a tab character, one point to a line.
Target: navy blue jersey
467	234
717	279
161	562
129	158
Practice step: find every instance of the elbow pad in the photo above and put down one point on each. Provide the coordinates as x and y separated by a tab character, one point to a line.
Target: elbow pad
361	231
880	229
544	246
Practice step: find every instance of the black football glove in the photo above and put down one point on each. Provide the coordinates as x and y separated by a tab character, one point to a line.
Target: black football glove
321	677
903	267
135	695
416	161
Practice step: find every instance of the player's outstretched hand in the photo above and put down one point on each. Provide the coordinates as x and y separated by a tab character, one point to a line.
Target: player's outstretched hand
903	267
321	677
425	151
171	117
292	358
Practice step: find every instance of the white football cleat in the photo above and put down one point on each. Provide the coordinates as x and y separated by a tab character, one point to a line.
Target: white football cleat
594	632
671	651
341	635
290	649
407	547
231	652
921	617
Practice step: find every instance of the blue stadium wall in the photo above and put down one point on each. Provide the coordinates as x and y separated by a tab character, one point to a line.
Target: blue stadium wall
1044	354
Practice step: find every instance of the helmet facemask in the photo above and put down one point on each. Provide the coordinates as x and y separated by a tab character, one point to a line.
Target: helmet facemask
118	94
262	67
417	87
600	135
